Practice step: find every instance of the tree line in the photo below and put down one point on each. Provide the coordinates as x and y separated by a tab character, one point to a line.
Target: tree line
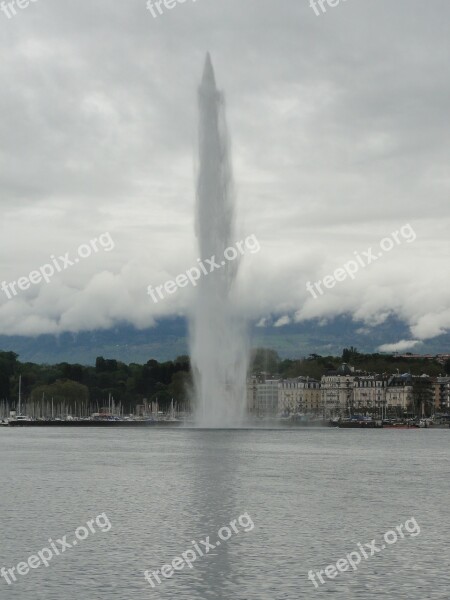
315	365
129	384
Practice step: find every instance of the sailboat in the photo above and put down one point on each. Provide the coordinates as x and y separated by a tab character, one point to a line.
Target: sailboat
19	417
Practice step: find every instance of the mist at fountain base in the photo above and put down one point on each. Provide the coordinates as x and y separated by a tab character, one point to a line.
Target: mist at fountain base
220	366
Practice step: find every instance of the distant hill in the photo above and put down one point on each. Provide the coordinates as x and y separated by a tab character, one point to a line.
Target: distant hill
169	339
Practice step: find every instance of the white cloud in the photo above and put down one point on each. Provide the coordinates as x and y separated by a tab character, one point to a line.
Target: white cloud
285	320
400	346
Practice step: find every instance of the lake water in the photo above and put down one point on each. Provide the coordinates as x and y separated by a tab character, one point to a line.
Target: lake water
312	496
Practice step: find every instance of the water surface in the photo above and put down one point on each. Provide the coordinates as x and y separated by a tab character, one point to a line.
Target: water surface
312	495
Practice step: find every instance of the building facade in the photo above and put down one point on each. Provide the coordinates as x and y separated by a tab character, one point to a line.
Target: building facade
262	397
442	394
345	392
369	394
337	392
299	395
399	392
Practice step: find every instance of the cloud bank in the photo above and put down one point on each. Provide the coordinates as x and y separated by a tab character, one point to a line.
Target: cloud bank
338	135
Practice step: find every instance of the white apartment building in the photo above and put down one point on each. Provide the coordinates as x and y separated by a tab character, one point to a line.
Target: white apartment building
369	392
262	397
299	395
337	391
399	392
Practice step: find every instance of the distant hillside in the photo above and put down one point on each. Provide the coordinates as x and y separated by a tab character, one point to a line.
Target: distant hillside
168	340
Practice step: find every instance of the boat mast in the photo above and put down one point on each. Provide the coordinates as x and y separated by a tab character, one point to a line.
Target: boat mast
20	390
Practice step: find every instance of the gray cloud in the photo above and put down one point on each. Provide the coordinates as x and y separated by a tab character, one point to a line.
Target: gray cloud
338	128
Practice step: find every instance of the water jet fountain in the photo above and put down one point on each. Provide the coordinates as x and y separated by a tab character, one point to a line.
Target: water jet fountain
218	340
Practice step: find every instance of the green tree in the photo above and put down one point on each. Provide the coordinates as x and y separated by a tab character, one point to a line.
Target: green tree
62	391
264	359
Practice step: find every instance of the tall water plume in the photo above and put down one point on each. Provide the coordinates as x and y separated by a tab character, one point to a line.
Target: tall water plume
218	340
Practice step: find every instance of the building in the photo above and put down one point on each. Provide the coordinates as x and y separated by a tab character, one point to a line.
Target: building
267	398
347	392
442	394
399	392
423	396
312	396
369	393
337	391
262	396
299	395
251	394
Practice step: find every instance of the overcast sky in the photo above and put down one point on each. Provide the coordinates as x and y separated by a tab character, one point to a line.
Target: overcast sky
339	127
